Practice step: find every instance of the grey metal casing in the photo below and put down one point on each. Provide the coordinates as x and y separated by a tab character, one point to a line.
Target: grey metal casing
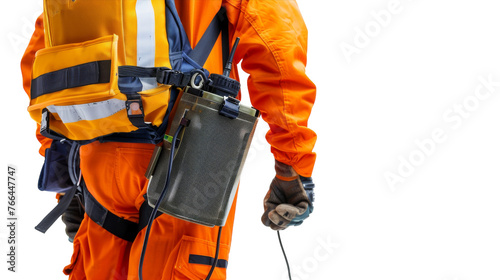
207	164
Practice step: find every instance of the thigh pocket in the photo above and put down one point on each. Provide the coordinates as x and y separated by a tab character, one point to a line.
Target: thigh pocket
195	258
131	165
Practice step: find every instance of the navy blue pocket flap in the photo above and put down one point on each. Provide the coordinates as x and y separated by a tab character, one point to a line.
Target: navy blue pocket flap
54	176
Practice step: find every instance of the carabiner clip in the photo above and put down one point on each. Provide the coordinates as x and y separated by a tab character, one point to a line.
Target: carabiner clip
194	76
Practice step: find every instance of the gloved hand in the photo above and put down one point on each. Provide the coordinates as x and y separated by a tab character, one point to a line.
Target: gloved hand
289	200
73	217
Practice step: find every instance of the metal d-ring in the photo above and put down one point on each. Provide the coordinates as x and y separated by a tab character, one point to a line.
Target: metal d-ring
193	80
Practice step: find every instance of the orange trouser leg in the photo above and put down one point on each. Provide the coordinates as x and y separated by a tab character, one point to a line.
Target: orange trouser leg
98	254
174	246
114	174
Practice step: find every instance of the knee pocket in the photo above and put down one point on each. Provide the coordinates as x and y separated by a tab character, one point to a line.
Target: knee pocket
194	259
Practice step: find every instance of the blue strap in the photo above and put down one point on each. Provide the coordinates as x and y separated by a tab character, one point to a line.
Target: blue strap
179	42
203	48
177	39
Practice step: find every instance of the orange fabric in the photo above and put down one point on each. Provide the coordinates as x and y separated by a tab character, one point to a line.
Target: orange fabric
36	43
273	51
114	174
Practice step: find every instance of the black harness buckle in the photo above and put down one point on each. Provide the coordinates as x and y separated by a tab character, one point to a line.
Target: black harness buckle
172	77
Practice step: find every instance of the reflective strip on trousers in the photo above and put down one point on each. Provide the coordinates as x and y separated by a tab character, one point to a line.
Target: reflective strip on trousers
89	111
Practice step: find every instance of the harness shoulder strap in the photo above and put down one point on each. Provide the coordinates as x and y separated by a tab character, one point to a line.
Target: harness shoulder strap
177	39
219	25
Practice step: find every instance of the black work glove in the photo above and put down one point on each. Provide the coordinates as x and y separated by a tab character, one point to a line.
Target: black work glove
289	200
73	217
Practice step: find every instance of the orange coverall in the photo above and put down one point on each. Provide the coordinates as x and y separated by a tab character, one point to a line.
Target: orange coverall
273	51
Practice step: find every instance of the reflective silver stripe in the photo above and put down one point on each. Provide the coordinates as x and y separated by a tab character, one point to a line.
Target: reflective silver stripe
148	83
88	112
146	39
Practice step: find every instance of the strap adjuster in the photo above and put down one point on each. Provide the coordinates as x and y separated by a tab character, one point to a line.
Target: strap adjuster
230	108
135	110
44	125
172	77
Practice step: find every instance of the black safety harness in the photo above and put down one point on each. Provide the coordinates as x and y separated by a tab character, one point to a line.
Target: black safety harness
118	226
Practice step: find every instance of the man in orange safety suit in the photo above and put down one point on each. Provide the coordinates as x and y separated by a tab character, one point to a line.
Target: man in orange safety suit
273	51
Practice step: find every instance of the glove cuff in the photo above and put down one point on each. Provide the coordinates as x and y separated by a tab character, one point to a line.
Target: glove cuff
285	172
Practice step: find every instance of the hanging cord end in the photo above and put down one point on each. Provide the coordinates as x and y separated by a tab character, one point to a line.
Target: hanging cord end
284	254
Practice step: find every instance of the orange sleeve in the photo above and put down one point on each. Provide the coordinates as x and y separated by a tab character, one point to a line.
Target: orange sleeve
36	43
273	50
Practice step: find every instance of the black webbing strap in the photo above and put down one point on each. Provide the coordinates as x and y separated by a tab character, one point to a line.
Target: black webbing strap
138	71
225	39
119	227
204	46
60	208
95	72
163	75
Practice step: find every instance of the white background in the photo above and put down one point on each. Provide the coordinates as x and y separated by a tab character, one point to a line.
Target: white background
441	223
